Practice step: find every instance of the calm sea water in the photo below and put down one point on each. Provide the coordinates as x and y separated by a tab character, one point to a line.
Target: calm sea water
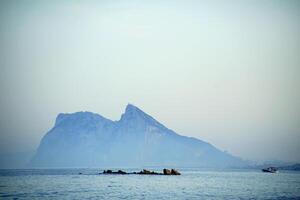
192	184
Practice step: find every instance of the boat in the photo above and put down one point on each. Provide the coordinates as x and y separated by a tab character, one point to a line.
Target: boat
270	170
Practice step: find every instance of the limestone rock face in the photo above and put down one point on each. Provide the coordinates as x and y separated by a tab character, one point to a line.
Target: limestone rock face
86	139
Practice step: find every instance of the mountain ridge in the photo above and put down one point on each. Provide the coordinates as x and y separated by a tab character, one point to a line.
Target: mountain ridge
86	139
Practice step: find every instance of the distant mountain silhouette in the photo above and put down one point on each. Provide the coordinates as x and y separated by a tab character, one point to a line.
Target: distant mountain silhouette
85	139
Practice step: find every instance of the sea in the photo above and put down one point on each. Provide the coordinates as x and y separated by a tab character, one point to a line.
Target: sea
191	184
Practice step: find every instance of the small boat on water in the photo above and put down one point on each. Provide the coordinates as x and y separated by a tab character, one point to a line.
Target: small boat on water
270	170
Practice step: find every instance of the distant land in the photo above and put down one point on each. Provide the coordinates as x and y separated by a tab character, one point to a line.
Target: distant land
295	167
85	139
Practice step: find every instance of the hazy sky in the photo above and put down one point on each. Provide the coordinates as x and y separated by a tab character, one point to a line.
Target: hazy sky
226	72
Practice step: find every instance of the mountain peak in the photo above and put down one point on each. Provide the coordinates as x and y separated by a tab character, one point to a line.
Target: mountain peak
135	116
132	108
133	112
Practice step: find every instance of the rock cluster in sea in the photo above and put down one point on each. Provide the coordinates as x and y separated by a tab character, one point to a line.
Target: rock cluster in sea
144	172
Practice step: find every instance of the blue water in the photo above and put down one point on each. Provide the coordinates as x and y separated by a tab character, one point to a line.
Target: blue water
192	184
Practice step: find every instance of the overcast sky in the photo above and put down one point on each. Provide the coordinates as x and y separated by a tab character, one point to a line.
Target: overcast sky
227	73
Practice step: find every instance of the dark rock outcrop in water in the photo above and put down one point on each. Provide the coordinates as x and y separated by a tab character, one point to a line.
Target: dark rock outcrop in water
170	172
86	139
111	172
166	172
144	172
174	172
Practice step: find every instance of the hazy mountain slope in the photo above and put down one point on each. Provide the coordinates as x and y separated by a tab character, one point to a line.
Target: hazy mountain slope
85	139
